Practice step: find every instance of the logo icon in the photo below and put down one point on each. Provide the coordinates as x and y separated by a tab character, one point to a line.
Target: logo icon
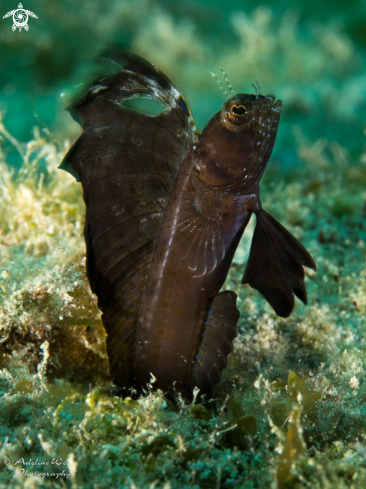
20	17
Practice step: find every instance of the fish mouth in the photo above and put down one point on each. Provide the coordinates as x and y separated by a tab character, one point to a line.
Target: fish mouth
273	108
275	104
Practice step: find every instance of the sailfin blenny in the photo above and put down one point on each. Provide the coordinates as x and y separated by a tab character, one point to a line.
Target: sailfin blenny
166	207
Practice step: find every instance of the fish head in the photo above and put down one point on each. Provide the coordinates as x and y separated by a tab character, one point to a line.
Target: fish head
237	143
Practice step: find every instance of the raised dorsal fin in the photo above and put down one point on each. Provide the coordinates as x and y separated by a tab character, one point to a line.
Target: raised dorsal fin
127	163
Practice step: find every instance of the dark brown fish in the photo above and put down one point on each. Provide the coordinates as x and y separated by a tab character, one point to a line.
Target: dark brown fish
166	208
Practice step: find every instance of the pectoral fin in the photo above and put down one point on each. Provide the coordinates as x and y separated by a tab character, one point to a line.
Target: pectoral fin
275	265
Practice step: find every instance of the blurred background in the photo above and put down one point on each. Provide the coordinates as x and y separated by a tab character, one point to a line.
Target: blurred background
310	55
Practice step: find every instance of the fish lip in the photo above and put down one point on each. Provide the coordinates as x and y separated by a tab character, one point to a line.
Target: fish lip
278	102
271	96
277	106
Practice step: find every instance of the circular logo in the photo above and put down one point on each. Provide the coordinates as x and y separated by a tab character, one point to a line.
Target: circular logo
20	18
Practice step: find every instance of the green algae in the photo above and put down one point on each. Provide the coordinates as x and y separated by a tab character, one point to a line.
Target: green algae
56	399
292	451
295	392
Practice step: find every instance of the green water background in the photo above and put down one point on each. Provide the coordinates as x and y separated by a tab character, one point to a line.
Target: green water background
311	54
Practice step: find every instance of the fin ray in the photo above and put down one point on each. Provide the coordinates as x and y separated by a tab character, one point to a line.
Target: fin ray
213	351
275	264
127	163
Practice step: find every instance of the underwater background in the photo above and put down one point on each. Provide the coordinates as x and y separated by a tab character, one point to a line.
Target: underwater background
290	410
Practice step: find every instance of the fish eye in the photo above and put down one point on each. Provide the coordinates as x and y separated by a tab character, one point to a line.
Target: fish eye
239	110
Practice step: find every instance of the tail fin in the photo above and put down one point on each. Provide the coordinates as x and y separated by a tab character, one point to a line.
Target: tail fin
275	265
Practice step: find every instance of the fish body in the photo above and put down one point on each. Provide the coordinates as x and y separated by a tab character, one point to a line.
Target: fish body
166	209
210	206
188	268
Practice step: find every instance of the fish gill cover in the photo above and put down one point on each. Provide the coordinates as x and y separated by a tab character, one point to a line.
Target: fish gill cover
290	409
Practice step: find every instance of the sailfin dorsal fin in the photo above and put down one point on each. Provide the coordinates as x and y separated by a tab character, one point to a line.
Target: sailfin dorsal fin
127	163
